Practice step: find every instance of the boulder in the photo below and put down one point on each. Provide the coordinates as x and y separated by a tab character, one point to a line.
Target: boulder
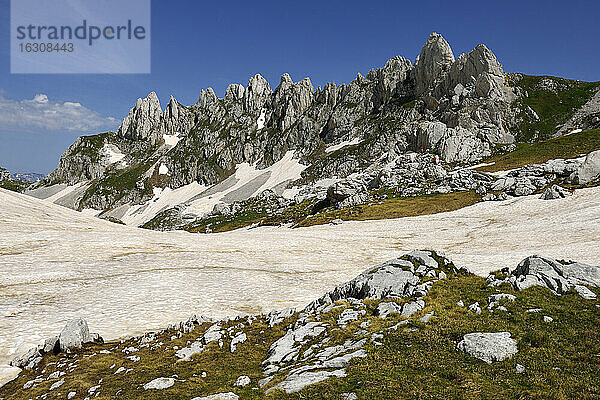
159	384
27	360
559	277
555	192
296	382
74	335
385	309
219	396
242	381
589	171
51	345
488	347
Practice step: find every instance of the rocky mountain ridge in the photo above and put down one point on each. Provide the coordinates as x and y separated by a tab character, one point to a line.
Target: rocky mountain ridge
461	109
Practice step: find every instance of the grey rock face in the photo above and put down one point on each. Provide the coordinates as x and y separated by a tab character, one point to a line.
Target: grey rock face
555	192
456	109
559	277
159	384
144	120
74	335
589	170
296	382
489	347
433	63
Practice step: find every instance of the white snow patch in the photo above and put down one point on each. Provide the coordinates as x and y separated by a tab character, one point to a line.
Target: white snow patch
156	191
575	131
333	148
291	192
163	170
260	122
163	199
286	169
90	212
480	165
172	140
66	191
111	154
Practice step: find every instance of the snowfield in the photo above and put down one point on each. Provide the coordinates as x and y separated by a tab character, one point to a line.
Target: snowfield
56	263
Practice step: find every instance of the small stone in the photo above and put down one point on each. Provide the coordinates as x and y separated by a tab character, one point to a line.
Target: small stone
159	384
242	381
425	318
548	319
534	310
520	369
58	384
348	396
475	308
460	303
240	338
219	396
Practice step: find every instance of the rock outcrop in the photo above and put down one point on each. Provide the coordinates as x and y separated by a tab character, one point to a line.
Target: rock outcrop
589	171
4	174
144	120
558	276
74	335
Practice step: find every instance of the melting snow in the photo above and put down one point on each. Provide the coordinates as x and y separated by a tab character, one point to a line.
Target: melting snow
333	148
55	262
575	131
172	140
260	122
480	165
163	170
111	154
286	169
163	199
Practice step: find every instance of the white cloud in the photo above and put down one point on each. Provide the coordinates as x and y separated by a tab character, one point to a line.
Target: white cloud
41	114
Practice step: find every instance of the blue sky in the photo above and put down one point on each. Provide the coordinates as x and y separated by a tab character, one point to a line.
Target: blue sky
199	44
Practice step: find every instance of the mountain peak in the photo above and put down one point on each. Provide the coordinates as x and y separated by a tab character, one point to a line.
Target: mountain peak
433	63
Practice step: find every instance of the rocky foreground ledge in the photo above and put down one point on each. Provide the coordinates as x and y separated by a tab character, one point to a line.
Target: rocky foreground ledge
411	327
